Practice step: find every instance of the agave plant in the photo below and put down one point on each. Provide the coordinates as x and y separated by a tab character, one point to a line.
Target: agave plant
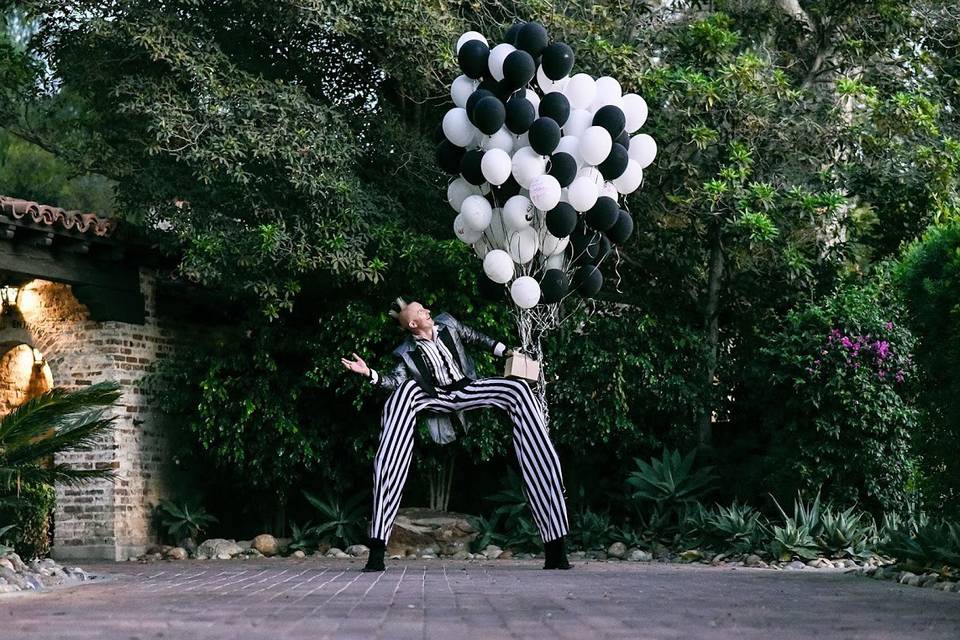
591	529
4	549
512	501
736	529
303	538
342	521
185	520
933	545
54	422
668	490
796	538
844	532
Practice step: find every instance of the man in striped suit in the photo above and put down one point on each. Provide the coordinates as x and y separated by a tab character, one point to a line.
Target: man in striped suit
436	378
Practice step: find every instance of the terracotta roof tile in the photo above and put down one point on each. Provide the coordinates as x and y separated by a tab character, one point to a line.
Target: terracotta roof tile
46	215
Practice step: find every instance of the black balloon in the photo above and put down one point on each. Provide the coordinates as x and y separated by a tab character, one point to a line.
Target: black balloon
475	97
510	35
544	135
489	115
605	248
520	115
472	57
518	69
489	289
503	192
603	215
586	245
616	162
449	156
622	230
563	167
554	285
588	280
504	90
555	105
438	135
561	220
489	84
611	118
623	139
532	38
470	167
557	61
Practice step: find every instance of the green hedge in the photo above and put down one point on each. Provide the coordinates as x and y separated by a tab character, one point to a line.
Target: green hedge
31	513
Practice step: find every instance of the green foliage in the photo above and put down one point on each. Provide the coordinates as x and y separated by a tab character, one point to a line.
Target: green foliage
6	548
929	274
56	421
796	536
184	520
511	521
303	538
30	513
737	528
845	532
834	390
933	545
342	522
669	487
593	530
486	533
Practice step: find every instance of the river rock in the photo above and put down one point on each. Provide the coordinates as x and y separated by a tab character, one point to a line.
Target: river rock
215	547
639	555
445	532
177	553
265	544
617	550
358	550
492	552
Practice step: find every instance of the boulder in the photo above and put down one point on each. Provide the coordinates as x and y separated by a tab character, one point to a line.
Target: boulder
358	550
639	555
298	554
446	533
617	550
216	547
492	552
265	544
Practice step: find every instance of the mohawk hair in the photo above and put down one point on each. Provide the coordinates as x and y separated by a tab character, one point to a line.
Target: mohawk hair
396	307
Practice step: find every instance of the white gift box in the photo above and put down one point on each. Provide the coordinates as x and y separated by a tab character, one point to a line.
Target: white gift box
521	366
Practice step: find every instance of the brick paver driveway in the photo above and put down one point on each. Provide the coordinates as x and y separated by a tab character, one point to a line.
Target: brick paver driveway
323	598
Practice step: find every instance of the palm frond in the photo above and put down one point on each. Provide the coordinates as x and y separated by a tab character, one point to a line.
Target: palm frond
53	410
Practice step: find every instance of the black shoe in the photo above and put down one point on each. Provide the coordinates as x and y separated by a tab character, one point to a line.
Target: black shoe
375	559
555	556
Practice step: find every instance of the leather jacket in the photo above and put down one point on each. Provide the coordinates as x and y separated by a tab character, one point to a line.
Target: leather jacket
412	365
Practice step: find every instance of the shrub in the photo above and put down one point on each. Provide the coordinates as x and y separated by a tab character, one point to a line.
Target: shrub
795	538
930	545
734	529
30	513
667	490
834	393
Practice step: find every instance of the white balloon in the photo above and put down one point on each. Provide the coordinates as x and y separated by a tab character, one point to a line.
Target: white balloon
476	213
523	245
550	245
468	36
523	140
583	193
544	192
595	145
527	165
643	149
461	89
495	165
558	261
458	191
495	61
577	122
518	213
502	139
525	292
631	179
498	265
635	111
457	127
609	190
593	174
549	86
496	233
608	92
481	247
463	232
580	91
570	145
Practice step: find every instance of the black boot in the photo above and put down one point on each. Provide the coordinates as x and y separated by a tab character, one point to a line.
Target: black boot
375	559
555	556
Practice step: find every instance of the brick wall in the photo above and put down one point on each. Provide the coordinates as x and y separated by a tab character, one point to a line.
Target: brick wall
105	519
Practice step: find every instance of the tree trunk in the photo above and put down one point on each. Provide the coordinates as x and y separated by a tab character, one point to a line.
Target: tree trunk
441	480
712	330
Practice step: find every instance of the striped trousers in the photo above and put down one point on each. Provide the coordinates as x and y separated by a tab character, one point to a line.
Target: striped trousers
539	465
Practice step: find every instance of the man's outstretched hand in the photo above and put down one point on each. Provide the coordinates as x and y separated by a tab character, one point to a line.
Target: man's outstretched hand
357	365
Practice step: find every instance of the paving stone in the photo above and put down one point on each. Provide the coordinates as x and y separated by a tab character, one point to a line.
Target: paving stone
330	598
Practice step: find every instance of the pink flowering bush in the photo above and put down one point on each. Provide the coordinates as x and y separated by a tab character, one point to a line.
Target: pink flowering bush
840	406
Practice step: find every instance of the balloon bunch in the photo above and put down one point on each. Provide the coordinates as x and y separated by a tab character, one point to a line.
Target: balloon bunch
544	160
